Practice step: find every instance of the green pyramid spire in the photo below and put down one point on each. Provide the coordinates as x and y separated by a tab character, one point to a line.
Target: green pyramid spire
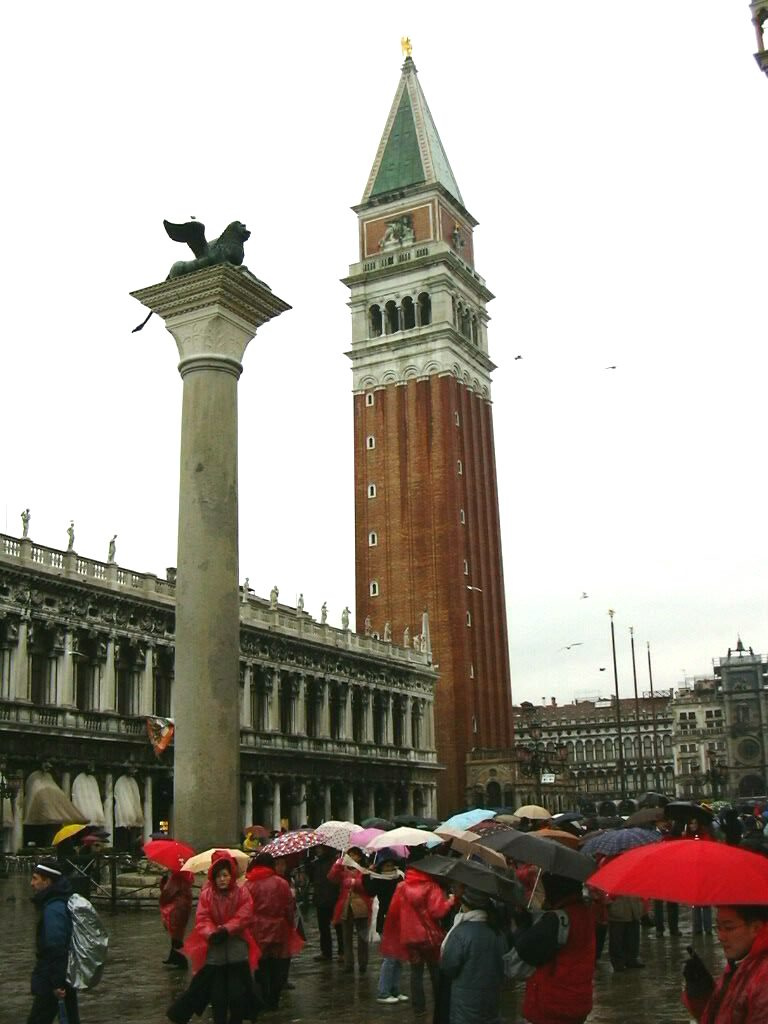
410	151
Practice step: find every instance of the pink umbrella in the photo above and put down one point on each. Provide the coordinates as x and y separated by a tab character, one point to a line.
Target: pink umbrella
367	835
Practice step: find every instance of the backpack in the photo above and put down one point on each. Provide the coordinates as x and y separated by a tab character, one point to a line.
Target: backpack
88	945
516	968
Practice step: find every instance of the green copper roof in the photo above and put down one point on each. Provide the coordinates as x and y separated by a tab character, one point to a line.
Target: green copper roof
401	164
410	151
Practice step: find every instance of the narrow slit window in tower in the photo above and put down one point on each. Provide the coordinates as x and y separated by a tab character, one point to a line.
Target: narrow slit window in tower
373	539
369	399
370	442
373	588
371	490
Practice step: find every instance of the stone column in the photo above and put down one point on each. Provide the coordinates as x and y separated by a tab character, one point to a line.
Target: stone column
148	810
325	709
246	710
147	690
67	690
300	711
390	803
368	716
20	665
248	809
17	832
327	807
387	701
66	784
370	808
350	803
429	724
109	804
407	721
301	806
409	792
274	703
212	315
347	728
108	701
276	808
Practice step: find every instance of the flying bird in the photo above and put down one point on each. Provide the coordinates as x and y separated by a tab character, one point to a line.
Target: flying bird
602	669
610	367
578	643
518	357
584	595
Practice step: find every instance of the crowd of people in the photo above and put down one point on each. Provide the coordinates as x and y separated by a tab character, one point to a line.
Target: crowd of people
453	937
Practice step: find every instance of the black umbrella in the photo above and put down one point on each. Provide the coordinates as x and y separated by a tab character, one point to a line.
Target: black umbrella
474	876
652	800
546	854
382	823
645	816
685	810
566	816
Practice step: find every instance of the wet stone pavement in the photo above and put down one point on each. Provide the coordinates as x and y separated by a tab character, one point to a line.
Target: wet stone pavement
137	988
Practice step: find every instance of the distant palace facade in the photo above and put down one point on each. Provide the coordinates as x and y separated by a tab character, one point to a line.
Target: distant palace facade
333	724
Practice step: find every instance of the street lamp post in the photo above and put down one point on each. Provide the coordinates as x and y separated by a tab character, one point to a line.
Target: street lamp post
534	760
622	781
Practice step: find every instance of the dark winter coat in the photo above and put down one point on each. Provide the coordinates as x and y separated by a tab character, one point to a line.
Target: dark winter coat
325	892
384	889
472	959
52	938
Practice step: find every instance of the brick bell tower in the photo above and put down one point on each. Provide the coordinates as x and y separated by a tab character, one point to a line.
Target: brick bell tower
427	534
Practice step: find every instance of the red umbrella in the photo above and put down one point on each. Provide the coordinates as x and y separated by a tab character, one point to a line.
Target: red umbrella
693	871
259	831
170	853
292	842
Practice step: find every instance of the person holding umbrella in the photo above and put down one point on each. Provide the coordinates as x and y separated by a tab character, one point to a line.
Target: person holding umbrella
175	908
560	989
471	958
740	996
353	909
272	926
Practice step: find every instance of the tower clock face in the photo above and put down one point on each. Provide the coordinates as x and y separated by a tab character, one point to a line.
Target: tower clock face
748	750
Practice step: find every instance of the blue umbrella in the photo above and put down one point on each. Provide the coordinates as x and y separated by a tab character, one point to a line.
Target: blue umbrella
608	844
467	818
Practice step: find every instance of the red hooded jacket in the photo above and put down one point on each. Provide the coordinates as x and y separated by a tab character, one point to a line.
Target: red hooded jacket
274	913
349	881
231	909
561	990
412	930
745	999
176	902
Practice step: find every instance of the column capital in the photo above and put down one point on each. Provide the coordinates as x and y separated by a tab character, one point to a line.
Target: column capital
213	314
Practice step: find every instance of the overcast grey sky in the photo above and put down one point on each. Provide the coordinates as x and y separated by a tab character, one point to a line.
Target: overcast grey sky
615	156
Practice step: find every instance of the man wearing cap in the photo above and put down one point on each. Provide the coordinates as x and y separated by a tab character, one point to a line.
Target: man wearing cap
50	892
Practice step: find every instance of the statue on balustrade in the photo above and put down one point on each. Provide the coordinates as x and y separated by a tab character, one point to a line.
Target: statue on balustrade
345	619
300	605
387	632
273	594
71	535
406	637
112	549
367	625
26	515
324	613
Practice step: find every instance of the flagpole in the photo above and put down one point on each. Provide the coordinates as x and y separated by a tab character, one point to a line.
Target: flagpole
618	709
655	731
641	762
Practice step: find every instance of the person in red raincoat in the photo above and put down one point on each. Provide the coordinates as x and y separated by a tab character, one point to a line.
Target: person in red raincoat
175	908
740	996
272	926
221	950
353	909
413	932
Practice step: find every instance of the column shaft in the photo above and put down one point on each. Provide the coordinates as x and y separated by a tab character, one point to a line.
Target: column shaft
20	666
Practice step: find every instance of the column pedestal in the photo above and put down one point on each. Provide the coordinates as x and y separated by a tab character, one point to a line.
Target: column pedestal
213	315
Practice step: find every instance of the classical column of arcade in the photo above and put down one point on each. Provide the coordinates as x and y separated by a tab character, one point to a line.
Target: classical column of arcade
212	314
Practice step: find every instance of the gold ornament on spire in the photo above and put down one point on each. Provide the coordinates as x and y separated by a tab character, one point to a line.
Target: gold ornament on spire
405	46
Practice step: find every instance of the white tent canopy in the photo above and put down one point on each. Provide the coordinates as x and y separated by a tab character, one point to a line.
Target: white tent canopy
128	812
87	798
47	804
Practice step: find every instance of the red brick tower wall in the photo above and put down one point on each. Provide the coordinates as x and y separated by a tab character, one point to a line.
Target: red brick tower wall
419	560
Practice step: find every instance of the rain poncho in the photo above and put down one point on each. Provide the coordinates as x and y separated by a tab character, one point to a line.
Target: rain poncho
231	909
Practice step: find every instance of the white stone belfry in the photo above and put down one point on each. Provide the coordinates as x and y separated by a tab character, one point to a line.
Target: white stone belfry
212	314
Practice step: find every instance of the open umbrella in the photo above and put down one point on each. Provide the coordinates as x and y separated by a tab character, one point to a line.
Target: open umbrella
202	861
685	810
488	827
557	835
652	800
292	842
467	818
169	853
687	871
258	831
403	836
528	848
66	832
619	840
383	823
471	845
645	816
474	876
566	816
336	833
533	811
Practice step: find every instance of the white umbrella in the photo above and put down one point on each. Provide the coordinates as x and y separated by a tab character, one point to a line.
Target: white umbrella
403	836
336	833
202	861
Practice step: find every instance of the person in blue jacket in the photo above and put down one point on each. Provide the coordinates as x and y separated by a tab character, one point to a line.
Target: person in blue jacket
50	892
471	957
